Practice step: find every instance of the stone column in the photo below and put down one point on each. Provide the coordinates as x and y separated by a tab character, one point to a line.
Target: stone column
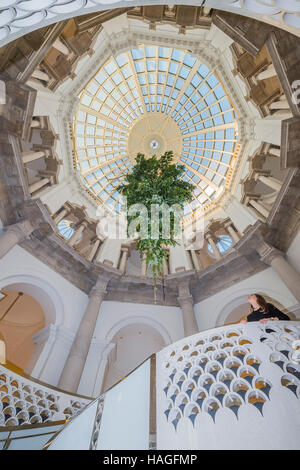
124	257
273	183
268	73
212	243
2	93
40	75
75	237
195	259
274	152
186	302
281	104
259	207
38	185
275	259
61	47
144	265
73	368
30	156
165	267
93	250
234	235
13	235
35	123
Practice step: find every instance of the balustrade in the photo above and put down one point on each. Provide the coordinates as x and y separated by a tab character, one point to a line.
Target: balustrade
31	156
208	388
269	181
24	401
38	185
261	209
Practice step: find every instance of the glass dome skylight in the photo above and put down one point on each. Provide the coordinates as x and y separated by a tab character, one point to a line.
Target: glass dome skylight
152	99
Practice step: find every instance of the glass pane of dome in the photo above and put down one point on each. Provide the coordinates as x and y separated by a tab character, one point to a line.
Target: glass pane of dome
224	243
65	229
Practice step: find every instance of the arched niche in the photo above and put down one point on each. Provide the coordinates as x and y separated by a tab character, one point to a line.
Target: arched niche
139	319
21	316
235	306
134	343
42	291
52	306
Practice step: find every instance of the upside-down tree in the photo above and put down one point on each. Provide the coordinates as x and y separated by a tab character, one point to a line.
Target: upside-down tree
155	181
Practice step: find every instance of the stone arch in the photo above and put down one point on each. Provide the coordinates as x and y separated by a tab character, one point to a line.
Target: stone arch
119	364
22	317
50	301
239	297
42	291
139	319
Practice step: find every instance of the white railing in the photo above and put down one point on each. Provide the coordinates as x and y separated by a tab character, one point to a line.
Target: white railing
24	401
119	419
19	18
234	387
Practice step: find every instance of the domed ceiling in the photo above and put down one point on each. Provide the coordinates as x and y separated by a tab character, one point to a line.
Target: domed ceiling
152	99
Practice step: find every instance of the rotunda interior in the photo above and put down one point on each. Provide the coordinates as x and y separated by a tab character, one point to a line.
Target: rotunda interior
84	88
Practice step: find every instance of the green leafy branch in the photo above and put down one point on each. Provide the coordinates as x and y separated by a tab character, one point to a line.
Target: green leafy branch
155	181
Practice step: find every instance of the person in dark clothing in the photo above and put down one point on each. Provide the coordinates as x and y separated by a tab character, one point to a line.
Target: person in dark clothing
262	311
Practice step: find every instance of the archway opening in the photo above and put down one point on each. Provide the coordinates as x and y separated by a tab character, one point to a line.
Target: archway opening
133	344
237	314
21	316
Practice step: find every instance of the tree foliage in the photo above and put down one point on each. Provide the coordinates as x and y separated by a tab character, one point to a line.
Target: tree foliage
155	181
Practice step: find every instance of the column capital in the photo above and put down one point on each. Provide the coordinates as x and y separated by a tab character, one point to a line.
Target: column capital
268	252
209	235
99	289
22	229
184	300
184	289
227	223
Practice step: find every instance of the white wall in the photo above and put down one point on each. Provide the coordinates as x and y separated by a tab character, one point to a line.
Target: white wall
112	318
62	303
68	303
115	315
134	344
212	312
67	190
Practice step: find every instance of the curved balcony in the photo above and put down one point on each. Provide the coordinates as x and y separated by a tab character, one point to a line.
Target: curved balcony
242	378
24	401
